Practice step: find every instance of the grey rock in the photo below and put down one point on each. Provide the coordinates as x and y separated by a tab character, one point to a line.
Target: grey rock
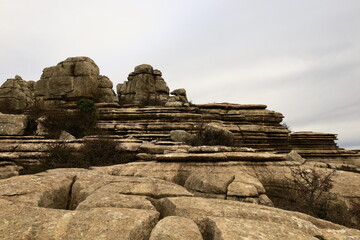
74	78
144	87
66	136
16	94
295	156
180	135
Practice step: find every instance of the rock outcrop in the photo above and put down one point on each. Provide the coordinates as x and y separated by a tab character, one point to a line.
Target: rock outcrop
145	86
73	79
172	190
71	204
16	94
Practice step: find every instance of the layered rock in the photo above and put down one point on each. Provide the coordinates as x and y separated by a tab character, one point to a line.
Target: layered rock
145	86
16	94
321	147
73	79
252	125
64	204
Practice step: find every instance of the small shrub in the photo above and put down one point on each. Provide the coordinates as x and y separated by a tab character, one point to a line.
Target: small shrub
86	105
103	151
77	123
61	155
307	191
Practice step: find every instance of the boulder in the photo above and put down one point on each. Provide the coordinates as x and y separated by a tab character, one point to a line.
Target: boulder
180	135
145	86
176	228
72	79
295	156
66	136
16	94
11	124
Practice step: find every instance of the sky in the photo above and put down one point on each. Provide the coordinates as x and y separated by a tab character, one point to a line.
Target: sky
299	57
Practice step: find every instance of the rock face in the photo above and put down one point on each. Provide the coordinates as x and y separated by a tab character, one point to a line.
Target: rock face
145	86
11	124
72	79
16	94
72	204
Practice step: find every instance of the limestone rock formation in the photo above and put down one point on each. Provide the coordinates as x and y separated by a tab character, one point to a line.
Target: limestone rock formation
58	204
145	86
16	94
179	99
72	79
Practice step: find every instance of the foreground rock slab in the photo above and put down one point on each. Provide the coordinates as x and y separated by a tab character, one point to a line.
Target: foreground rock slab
20	221
93	204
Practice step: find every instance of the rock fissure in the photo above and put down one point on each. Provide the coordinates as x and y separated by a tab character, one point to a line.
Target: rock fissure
70	195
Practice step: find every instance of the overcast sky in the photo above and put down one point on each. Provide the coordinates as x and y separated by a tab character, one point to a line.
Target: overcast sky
300	57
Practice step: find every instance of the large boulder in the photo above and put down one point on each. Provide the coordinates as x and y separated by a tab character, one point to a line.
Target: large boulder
16	94
72	79
13	124
145	86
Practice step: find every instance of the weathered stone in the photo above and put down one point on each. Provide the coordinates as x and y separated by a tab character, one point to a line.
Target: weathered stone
66	136
200	209
180	94
208	182
143	68
8	171
16	94
220	228
173	104
144	87
103	198
176	228
294	156
180	135
74	78
11	124
19	221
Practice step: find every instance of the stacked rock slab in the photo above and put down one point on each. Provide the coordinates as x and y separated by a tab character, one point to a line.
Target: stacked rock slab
16	95
145	86
321	147
73	79
252	125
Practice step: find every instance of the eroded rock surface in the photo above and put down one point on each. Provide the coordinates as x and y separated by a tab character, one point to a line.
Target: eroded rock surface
16	94
91	204
145	86
13	124
72	79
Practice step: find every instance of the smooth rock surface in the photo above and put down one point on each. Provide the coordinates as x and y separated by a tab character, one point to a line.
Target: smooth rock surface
176	228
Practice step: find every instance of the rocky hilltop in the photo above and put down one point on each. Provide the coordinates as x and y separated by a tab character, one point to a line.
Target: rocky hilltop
197	171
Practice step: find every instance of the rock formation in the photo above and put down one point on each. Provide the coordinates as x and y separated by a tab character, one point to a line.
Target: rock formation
172	190
86	204
73	79
16	94
145	86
